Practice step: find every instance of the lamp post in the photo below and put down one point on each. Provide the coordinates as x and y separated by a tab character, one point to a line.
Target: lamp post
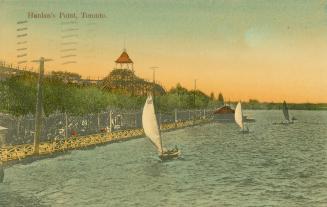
154	68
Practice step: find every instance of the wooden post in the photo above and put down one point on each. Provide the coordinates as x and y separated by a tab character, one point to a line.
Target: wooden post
98	119
121	121
204	113
38	113
110	121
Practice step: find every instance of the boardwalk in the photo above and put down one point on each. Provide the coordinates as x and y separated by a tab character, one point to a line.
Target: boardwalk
20	152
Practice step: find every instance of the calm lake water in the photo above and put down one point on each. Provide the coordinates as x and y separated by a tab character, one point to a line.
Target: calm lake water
273	165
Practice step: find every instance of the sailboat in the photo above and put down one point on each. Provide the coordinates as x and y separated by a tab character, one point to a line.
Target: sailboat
286	114
152	131
239	118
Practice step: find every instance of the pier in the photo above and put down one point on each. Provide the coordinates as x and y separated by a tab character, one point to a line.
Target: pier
21	152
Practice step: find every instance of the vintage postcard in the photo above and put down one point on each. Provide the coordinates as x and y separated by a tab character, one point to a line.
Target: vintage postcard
119	103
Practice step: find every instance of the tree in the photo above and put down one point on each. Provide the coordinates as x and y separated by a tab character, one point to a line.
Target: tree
178	89
221	99
57	95
21	95
212	96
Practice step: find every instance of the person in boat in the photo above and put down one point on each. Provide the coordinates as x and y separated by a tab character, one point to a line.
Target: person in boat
175	149
171	151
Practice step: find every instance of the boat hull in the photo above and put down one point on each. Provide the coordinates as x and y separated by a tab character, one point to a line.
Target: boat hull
249	120
170	155
224	117
245	131
230	118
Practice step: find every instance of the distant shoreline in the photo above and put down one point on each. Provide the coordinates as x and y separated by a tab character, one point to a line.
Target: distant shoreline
260	109
291	106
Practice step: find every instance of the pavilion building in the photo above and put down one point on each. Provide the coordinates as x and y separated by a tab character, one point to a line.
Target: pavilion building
123	79
124	61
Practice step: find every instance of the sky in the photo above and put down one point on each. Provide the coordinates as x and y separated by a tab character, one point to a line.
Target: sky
258	49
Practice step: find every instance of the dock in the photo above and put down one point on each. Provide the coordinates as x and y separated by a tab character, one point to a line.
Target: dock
21	152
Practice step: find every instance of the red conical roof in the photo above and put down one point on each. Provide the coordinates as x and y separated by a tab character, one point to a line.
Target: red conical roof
124	58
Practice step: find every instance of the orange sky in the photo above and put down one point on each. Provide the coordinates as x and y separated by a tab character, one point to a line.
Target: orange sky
270	51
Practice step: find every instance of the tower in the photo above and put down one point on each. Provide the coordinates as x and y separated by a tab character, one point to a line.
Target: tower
124	61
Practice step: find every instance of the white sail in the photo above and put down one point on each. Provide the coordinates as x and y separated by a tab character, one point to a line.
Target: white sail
150	124
239	115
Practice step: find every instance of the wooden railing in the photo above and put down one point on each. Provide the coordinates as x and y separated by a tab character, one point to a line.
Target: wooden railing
19	152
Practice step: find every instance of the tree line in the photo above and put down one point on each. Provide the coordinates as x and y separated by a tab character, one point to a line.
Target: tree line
62	94
66	95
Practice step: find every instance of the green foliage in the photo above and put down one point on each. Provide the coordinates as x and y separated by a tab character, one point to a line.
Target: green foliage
120	101
56	95
86	100
180	98
18	97
201	99
178	89
20	94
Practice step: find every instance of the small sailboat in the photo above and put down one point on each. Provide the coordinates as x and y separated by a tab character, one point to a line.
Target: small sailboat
286	114
152	131
239	118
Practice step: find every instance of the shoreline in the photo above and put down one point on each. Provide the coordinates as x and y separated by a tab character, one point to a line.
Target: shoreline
24	154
